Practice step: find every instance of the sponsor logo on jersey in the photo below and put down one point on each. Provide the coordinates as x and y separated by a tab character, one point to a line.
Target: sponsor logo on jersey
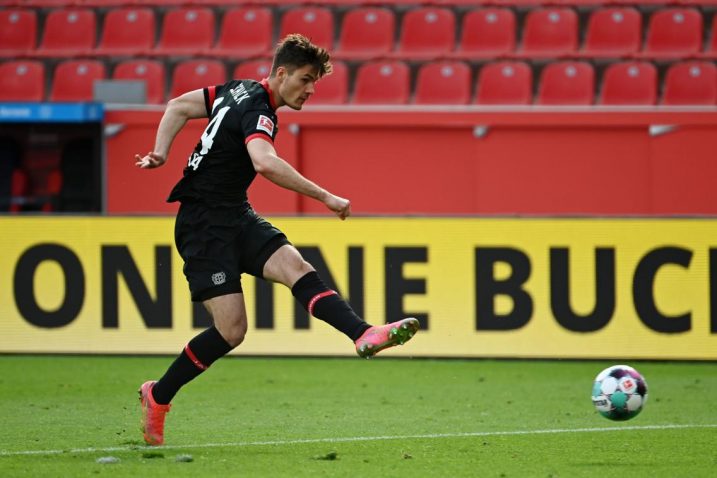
265	124
219	278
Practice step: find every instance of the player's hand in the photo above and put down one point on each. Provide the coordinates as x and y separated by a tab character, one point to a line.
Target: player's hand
340	206
150	161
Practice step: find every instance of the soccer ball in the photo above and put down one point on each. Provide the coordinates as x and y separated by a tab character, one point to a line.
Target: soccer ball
619	392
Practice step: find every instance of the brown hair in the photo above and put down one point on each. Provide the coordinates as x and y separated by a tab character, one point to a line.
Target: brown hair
295	51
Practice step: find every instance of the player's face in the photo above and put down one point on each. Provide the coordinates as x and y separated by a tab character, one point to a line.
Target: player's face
296	87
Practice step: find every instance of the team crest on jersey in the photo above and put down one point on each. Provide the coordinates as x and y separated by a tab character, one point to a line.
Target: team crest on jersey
265	124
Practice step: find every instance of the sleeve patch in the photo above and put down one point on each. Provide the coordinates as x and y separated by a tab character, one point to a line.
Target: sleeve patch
265	124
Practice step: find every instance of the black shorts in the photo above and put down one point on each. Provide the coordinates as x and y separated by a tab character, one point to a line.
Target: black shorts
219	244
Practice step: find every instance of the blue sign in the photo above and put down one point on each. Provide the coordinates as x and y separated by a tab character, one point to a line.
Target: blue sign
51	112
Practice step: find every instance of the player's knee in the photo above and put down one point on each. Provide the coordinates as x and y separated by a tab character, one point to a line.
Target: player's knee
234	334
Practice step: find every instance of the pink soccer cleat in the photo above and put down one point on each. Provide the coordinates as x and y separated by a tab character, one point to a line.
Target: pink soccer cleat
382	337
152	415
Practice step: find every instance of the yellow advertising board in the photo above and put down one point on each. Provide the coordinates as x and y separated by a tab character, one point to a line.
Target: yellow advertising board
481	287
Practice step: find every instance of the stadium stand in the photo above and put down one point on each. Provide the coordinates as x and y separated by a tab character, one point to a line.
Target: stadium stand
253	69
151	71
481	35
22	80
629	83
68	33
382	82
186	31
316	23
443	82
366	33
332	89
18	32
245	32
194	74
613	32
127	31
505	83
674	33
73	80
427	32
550	32
487	33
690	83
566	83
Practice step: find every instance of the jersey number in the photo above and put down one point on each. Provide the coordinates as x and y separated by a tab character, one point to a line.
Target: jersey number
207	138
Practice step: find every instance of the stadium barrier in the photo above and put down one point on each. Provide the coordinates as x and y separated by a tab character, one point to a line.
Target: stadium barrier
605	161
481	287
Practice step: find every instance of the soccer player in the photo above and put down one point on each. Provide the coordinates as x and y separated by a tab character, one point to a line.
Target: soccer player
218	234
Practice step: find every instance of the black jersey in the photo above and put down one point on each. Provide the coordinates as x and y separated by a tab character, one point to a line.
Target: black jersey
219	171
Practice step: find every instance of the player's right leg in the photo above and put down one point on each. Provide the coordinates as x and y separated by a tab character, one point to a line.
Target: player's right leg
230	325
288	267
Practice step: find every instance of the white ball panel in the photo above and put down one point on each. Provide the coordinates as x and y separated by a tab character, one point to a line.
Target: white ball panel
634	402
608	385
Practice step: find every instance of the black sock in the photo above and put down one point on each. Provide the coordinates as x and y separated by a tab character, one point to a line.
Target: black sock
202	351
325	304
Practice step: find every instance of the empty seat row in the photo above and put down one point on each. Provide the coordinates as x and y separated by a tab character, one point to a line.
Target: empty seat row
390	82
364	33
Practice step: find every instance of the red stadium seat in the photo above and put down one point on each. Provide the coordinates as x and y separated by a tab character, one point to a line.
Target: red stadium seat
567	83
487	32
196	74
690	83
18	29
382	82
127	31
73	80
186	31
69	32
427	32
613	32
316	23
674	33
253	70
366	33
505	83
152	72
332	89
246	32
22	81
443	82
629	83
550	32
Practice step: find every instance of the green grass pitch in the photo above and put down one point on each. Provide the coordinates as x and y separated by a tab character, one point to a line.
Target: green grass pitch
272	417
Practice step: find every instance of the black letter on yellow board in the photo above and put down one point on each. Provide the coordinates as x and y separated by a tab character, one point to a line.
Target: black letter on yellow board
116	260
643	290
488	287
604	291
24	280
397	286
313	256
713	291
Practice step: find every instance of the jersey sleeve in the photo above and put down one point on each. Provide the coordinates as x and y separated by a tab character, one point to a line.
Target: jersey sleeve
212	92
259	124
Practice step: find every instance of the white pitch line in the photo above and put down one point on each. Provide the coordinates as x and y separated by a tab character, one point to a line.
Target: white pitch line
353	439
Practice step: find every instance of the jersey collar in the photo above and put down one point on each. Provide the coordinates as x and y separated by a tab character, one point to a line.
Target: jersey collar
265	84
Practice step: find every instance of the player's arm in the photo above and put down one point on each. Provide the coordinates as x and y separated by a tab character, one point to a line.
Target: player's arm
179	110
272	167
